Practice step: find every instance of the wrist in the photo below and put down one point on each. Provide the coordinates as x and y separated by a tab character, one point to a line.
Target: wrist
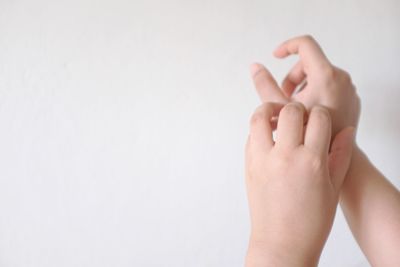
359	162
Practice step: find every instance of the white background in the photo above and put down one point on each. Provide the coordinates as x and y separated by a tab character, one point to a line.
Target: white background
122	123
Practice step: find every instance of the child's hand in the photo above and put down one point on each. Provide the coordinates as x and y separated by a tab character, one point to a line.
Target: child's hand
323	83
293	184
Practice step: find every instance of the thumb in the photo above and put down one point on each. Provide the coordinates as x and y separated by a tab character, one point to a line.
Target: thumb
266	85
340	156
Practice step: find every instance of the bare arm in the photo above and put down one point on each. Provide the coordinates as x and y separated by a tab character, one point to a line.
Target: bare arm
370	202
371	205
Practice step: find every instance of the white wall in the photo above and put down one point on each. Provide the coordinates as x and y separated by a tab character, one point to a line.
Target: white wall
122	123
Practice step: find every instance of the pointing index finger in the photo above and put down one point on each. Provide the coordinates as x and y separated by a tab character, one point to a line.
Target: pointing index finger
266	86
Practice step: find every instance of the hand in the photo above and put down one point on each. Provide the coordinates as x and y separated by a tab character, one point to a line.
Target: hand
293	184
323	83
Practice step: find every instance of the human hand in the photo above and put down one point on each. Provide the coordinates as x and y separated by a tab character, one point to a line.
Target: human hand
293	184
321	83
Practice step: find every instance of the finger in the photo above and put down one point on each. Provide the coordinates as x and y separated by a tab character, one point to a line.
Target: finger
340	156
318	131
290	126
266	86
260	125
293	79
310	53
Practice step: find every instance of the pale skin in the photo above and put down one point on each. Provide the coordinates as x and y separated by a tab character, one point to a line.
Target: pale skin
293	184
369	201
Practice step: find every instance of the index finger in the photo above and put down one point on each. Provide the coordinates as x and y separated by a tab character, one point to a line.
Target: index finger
266	86
309	51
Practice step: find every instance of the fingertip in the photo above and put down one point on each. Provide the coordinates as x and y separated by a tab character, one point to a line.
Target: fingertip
277	52
280	52
255	68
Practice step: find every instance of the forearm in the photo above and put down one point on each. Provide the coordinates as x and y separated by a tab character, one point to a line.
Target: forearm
259	256
265	253
371	205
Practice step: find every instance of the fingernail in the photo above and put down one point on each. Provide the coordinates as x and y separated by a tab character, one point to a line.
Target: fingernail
255	68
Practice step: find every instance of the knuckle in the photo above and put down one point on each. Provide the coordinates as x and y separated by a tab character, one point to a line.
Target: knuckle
308	38
321	115
257	118
333	74
329	72
346	78
283	161
293	109
314	162
260	114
